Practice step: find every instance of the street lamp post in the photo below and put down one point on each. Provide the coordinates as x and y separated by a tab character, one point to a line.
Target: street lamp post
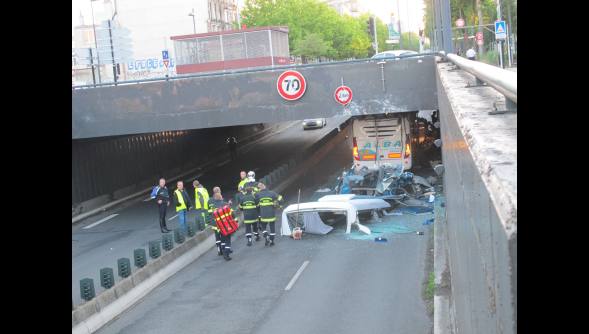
95	41
193	20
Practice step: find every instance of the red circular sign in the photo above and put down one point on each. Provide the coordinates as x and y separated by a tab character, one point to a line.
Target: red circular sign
460	22
291	85
343	95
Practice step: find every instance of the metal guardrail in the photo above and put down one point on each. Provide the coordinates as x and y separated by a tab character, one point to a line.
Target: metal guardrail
248	70
502	80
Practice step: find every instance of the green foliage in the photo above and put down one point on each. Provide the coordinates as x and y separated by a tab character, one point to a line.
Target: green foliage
467	9
334	36
311	45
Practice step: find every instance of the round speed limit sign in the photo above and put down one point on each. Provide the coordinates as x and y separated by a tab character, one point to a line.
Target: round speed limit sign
291	85
343	95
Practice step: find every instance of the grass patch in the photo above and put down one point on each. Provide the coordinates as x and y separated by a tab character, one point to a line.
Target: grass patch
431	287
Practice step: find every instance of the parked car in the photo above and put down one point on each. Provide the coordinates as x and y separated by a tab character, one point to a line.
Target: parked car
314	123
394	53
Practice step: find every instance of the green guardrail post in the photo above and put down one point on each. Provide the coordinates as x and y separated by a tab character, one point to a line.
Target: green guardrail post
124	267
178	235
167	242
86	289
107	278
154	249
140	257
191	226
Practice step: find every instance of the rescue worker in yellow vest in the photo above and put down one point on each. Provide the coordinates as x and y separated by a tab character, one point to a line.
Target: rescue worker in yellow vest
247	204
183	204
267	202
242	181
223	243
201	204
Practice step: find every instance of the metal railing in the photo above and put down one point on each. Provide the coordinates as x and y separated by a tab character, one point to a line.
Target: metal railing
250	70
502	80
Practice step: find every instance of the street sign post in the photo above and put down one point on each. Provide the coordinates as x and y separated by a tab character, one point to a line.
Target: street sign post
343	95
291	85
166	58
500	31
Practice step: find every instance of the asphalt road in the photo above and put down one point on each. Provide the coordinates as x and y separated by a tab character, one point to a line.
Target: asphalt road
136	223
349	285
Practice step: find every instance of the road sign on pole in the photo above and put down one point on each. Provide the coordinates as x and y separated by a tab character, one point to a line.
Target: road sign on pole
500	31
291	85
166	58
343	95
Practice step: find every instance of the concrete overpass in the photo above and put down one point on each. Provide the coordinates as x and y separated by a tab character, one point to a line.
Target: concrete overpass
250	97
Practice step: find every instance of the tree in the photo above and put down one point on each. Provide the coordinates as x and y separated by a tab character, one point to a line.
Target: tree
311	45
343	35
410	41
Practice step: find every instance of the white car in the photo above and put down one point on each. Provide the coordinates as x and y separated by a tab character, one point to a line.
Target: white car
314	123
394	53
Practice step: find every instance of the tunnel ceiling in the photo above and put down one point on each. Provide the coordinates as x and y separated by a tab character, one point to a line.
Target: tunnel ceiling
252	97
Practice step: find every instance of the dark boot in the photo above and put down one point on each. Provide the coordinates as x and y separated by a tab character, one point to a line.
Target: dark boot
267	242
219	251
226	254
257	237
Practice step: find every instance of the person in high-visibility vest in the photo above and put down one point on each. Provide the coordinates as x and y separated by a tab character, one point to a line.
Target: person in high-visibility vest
223	243
247	204
242	181
201	204
183	204
267	202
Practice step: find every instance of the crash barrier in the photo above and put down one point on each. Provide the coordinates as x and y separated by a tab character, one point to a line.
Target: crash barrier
504	81
118	296
278	174
154	247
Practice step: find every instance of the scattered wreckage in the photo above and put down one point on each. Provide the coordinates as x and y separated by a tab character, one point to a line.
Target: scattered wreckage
360	194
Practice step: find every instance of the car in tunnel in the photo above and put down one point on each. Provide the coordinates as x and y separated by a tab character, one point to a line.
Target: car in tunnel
314	123
394	53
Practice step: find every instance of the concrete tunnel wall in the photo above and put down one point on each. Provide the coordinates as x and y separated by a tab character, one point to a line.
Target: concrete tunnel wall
111	167
481	252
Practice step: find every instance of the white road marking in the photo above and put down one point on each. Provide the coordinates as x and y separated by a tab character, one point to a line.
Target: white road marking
296	276
147	199
173	217
101	221
223	163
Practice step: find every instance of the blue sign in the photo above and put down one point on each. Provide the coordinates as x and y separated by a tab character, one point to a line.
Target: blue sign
500	31
165	54
152	64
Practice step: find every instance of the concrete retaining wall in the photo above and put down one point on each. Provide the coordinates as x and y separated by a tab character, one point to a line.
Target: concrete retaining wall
479	156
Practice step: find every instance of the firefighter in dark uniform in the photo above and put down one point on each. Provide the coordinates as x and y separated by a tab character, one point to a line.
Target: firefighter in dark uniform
267	202
223	242
247	204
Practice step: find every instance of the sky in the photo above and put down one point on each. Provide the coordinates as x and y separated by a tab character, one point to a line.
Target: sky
411	11
152	22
